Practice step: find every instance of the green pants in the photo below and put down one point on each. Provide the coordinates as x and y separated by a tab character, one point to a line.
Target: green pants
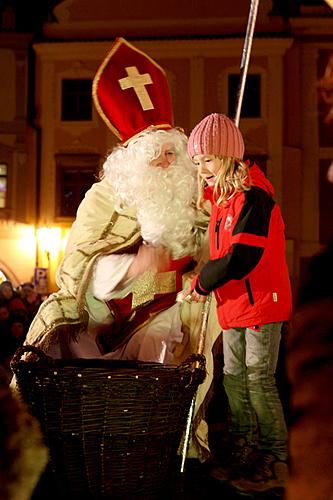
250	360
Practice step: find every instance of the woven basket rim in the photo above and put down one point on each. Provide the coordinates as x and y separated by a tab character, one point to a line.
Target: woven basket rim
46	362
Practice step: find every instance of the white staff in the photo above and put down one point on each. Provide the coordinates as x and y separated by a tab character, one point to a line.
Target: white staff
246	58
240	94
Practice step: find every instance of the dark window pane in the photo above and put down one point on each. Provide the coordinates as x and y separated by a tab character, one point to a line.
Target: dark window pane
76	104
74	183
75	175
68	206
251	107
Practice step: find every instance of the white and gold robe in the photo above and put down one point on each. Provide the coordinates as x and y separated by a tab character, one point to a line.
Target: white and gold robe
68	321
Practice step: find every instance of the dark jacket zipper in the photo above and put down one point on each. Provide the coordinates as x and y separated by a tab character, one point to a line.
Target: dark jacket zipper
217	231
249	291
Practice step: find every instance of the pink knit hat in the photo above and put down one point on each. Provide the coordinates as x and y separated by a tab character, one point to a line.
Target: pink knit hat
216	134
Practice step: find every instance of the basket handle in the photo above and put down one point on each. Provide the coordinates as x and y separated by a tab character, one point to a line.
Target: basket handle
16	359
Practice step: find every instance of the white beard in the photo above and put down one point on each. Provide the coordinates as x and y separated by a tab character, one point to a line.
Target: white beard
163	199
164	209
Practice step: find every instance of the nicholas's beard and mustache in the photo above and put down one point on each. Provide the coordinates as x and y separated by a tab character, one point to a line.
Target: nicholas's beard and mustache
164	202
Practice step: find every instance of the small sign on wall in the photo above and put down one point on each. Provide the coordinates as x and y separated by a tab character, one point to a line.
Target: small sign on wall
41	280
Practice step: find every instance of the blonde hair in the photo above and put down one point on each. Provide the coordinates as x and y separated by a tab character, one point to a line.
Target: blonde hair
232	178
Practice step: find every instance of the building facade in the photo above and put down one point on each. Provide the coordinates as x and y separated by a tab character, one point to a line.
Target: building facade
57	153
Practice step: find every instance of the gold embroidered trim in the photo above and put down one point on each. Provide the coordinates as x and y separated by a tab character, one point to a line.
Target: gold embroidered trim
160	126
150	284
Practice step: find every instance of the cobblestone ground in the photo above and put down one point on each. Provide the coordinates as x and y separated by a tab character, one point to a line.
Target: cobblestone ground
196	484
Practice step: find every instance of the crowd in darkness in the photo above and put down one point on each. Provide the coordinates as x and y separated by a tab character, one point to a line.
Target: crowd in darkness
18	307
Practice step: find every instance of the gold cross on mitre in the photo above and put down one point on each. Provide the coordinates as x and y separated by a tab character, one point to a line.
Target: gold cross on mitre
137	82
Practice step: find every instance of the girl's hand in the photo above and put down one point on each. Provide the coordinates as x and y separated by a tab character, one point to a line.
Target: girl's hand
190	295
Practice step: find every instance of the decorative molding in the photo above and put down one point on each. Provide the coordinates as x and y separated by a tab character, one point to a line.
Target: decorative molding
144	27
305	26
173	49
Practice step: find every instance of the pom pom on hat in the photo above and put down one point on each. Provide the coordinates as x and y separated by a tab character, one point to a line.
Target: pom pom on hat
216	134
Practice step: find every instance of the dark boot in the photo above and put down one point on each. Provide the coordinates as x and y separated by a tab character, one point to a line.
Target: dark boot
237	461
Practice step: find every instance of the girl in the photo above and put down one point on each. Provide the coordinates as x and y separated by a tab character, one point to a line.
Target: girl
248	273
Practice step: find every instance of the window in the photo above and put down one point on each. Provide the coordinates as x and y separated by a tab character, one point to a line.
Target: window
75	175
3	184
76	100
251	106
74	183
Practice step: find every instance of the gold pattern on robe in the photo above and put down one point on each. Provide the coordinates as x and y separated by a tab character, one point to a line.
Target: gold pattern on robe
150	284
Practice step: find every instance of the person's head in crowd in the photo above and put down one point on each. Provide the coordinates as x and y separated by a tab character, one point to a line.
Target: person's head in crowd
28	292
4	313
216	147
6	290
17	326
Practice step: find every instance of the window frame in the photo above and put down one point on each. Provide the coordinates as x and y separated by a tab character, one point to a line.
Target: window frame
75	128
223	85
77	96
231	112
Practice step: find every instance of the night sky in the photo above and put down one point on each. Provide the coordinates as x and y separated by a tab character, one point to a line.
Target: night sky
30	14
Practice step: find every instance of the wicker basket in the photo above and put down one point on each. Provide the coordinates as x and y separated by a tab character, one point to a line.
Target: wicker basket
113	427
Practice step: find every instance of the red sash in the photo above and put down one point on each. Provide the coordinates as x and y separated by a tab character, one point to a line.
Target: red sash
128	318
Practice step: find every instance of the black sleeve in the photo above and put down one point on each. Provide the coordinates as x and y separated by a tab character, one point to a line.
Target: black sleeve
233	266
253	222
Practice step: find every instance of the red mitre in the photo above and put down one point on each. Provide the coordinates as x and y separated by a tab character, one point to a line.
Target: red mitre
131	92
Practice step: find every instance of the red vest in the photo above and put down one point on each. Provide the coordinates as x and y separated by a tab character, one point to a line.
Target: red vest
154	293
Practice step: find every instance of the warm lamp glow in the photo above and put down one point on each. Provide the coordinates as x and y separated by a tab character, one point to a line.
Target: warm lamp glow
64	240
49	240
27	240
